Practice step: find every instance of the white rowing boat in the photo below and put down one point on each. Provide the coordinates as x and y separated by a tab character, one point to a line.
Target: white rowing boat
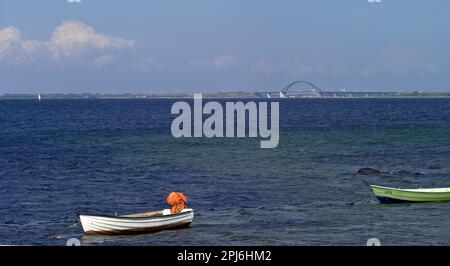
136	223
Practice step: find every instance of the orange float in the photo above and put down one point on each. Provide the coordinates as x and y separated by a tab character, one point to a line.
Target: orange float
178	202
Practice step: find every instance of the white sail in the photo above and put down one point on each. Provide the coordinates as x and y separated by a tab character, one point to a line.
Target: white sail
39	97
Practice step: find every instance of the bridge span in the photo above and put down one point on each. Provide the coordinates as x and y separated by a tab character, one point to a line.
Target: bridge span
310	90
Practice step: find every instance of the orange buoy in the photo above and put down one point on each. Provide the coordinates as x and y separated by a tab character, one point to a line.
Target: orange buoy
178	202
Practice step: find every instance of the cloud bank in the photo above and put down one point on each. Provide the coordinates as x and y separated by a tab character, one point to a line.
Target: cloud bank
75	41
70	39
401	61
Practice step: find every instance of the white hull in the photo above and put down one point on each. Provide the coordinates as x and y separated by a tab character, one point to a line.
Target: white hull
95	224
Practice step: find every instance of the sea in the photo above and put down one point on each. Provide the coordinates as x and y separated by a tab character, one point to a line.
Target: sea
60	158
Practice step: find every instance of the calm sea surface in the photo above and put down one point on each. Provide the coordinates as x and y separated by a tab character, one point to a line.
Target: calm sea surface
62	157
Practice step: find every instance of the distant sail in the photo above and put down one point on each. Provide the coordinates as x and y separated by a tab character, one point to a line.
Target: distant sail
39	97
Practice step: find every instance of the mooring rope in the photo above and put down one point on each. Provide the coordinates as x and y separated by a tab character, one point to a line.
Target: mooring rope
57	234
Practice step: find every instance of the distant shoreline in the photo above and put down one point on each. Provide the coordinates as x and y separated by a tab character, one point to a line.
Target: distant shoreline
230	95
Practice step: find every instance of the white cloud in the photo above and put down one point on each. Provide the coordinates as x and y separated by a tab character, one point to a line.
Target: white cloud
223	61
14	48
9	39
103	60
216	63
287	67
148	64
400	60
220	62
70	39
74	37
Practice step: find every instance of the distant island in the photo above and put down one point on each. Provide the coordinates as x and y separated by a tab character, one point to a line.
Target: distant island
237	94
126	95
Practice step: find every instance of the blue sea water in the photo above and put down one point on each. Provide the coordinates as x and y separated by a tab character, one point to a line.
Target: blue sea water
59	158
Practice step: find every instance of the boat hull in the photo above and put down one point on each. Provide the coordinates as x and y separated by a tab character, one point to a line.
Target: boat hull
396	195
114	225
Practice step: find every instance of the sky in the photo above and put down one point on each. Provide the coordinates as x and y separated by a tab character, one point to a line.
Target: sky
131	46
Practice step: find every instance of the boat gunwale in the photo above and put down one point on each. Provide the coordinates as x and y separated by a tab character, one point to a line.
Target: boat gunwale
413	190
190	211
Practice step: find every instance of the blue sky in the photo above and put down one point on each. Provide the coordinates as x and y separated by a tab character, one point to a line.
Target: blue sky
112	46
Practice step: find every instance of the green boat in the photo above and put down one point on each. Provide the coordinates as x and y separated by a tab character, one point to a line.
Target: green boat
398	195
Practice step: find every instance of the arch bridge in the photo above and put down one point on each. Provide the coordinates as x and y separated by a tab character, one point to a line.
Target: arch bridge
313	91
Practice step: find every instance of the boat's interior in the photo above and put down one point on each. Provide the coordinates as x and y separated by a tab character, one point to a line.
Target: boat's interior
428	190
144	214
152	214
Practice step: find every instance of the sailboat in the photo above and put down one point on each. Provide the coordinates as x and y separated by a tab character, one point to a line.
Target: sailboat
39	97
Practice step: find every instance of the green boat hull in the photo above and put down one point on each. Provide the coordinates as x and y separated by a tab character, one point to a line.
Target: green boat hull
396	195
